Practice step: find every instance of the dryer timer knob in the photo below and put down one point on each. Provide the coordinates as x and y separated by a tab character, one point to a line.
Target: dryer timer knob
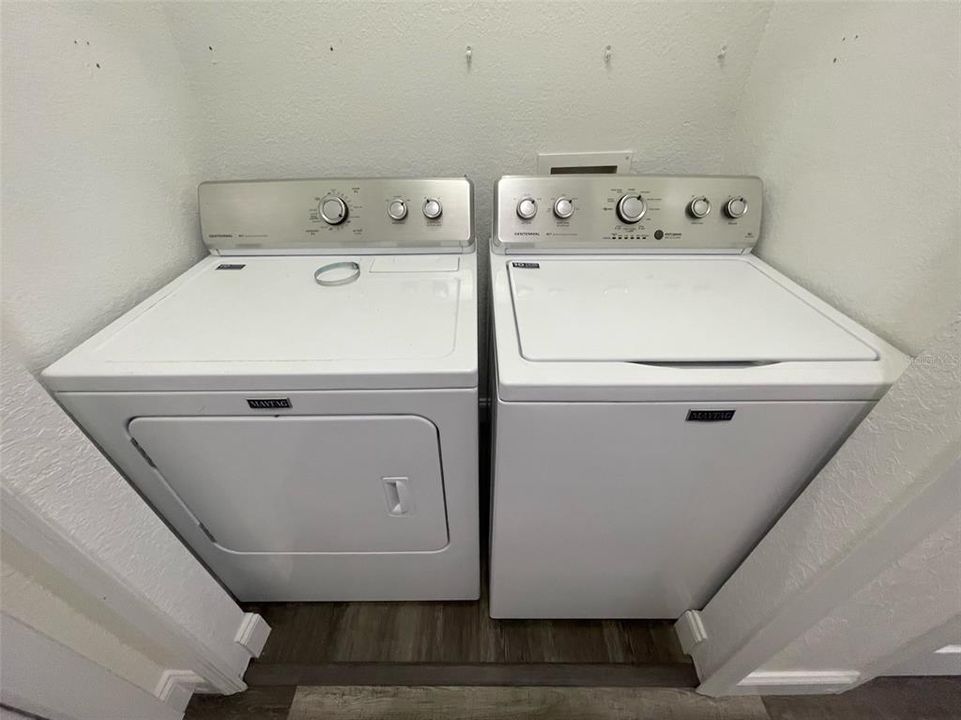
333	210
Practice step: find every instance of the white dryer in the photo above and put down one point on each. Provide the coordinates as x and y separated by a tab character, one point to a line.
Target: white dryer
661	394
301	405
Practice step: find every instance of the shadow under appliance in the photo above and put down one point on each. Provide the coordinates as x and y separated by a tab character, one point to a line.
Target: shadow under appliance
660	394
301	405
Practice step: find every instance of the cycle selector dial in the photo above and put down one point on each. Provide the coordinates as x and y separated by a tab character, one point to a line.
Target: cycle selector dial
699	207
736	208
333	210
631	208
397	209
433	209
563	208
527	208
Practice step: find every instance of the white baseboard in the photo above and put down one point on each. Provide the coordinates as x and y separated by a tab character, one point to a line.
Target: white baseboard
690	630
252	634
175	687
797	682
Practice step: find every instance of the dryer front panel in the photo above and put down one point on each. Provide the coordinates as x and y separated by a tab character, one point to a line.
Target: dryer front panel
303	484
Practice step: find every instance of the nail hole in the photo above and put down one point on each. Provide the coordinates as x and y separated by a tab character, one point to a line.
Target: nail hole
98	65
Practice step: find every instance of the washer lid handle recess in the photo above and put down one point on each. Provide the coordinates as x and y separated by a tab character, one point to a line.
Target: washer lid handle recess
337	273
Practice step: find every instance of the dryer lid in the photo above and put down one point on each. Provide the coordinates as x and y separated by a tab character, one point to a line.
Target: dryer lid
298	309
672	311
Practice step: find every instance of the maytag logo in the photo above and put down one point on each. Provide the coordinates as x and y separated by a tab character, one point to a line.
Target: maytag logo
709	415
268	403
527	265
231	266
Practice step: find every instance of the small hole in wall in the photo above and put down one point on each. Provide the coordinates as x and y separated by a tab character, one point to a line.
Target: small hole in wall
98	66
835	59
331	48
210	47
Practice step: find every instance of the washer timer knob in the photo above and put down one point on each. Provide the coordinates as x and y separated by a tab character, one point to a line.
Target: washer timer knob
433	209
736	207
527	208
631	208
397	209
333	210
699	207
563	208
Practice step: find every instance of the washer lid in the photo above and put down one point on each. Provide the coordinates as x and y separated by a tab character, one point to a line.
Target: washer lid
669	311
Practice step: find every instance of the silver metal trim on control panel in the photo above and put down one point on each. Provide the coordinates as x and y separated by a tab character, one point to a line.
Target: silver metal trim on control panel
283	217
666	225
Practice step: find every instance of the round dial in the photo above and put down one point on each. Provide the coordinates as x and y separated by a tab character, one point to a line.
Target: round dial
397	209
433	209
699	207
736	207
333	210
527	208
563	207
631	208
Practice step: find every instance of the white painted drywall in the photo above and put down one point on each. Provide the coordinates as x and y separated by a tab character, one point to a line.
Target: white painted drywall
40	597
49	463
99	185
865	560
919	591
851	116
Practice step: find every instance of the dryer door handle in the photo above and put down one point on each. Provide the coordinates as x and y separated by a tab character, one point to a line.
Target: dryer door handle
399	501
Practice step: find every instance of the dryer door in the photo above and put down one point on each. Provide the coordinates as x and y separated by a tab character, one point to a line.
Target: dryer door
306	484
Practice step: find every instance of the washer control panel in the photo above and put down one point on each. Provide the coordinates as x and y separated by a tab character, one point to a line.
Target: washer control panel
626	213
337	215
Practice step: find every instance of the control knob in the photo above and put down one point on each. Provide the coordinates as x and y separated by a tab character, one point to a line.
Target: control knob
631	208
397	209
433	209
527	208
563	208
699	207
736	207
333	210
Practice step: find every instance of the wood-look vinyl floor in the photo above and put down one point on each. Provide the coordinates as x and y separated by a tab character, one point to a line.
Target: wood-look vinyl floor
881	699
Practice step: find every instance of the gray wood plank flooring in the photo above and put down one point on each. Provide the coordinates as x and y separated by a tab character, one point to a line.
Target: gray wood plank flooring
517	703
881	699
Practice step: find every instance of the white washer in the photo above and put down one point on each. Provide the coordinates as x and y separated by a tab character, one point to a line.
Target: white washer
304	411
661	394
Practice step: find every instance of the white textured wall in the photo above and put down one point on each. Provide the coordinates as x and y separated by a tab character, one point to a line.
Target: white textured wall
919	591
48	461
851	116
98	189
906	454
40	597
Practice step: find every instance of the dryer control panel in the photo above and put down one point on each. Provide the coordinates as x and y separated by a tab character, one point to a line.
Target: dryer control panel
626	213
337	215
